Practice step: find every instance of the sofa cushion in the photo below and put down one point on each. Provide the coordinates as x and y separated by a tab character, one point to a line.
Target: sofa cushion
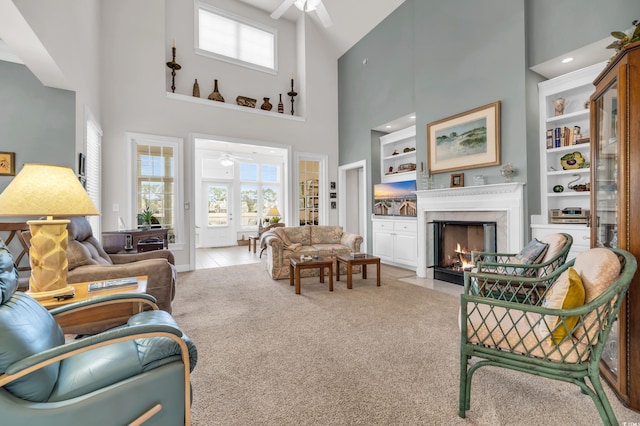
286	242
326	234
566	293
598	269
555	243
299	234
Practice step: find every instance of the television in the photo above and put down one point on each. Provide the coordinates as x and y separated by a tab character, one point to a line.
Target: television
395	198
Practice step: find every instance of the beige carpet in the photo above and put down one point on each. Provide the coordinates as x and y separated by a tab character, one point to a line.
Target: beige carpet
368	356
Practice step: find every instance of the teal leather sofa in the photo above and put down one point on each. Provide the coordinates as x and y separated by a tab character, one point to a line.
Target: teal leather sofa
137	372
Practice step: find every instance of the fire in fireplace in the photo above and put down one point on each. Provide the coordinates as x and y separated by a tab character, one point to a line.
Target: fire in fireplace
453	242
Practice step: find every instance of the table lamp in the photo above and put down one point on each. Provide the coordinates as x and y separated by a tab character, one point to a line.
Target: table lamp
46	190
273	214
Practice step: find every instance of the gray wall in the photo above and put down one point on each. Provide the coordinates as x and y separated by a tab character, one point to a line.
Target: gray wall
36	122
560	26
442	58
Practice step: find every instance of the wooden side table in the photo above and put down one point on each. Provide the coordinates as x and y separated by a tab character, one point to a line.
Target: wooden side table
80	320
253	241
367	259
295	265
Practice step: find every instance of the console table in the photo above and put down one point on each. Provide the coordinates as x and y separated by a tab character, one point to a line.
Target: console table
116	241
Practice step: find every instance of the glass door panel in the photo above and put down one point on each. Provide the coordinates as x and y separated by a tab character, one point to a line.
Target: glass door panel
605	194
309	185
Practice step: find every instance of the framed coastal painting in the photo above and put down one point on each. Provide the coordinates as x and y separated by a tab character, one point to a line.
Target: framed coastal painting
7	163
465	141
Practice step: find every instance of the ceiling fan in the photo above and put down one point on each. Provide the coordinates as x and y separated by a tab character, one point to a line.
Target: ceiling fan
227	159
305	5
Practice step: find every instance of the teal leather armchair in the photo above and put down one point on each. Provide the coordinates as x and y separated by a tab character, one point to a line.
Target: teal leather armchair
139	372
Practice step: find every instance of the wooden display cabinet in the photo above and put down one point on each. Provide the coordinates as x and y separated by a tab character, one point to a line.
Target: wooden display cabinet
615	206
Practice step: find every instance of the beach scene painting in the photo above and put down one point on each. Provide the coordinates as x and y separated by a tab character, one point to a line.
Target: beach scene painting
462	140
467	140
395	199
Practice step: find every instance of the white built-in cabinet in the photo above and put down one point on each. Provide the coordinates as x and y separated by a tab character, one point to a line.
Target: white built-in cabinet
395	240
574	88
398	155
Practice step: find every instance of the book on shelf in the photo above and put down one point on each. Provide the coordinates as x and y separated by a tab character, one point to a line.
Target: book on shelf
564	136
550	143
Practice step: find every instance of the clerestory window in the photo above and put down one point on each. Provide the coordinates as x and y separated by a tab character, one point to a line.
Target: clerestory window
234	39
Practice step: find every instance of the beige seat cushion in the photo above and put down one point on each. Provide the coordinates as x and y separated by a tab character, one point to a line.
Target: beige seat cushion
556	243
517	331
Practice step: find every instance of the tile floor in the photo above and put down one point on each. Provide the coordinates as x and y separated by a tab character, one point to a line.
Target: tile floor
226	256
240	255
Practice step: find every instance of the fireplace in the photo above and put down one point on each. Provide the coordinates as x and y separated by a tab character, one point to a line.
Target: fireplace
453	241
502	203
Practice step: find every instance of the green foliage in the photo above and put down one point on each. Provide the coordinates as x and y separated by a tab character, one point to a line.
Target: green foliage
622	38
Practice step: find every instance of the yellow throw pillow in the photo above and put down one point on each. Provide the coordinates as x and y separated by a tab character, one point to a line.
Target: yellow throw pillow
566	293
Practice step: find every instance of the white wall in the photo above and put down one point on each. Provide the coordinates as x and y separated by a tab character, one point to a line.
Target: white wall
136	44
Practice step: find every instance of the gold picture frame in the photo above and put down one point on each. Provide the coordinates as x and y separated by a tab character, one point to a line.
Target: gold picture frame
457	180
7	163
465	141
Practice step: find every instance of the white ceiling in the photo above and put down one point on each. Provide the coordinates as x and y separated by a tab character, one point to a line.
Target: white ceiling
352	19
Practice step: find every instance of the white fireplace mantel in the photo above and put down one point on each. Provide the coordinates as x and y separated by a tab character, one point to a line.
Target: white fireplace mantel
503	197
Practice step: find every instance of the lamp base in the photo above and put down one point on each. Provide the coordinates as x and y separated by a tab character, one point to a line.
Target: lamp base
42	295
48	258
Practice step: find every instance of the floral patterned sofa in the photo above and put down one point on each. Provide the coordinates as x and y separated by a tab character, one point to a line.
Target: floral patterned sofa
284	243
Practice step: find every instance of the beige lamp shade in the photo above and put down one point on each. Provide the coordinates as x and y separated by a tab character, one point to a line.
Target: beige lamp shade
273	211
45	190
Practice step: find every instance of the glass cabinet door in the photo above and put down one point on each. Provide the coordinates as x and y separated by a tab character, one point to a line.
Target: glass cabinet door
604	192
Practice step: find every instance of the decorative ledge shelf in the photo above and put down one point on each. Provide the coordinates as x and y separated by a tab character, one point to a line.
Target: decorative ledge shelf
225	105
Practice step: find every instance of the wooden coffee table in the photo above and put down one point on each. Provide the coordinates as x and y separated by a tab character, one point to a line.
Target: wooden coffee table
296	265
367	259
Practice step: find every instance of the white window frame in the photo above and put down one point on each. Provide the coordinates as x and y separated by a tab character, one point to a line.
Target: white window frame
260	184
135	139
198	5
93	167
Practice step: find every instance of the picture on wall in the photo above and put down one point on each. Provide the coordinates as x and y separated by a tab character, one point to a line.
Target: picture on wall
395	199
7	164
465	141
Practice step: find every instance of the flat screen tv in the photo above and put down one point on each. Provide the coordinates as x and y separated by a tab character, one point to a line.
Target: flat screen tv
395	199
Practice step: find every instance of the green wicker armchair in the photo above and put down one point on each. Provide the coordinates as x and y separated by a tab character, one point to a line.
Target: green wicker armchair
558	246
564	343
556	255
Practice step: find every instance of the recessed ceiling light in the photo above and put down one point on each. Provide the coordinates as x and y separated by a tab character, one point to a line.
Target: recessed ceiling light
567	60
388	126
413	117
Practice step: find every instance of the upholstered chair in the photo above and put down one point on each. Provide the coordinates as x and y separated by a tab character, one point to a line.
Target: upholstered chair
89	262
128	375
560	335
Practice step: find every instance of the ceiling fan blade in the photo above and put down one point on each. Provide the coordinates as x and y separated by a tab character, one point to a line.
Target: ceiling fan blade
324	15
286	4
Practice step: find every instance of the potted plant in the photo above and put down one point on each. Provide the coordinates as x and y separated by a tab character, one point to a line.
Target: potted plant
146	218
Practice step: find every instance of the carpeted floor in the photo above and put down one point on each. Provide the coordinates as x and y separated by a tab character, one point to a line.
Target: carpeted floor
368	356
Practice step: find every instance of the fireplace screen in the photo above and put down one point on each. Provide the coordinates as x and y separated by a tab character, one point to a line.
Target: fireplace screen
453	242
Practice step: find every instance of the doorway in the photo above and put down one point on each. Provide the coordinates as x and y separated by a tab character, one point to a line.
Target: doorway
217	219
234	185
353	214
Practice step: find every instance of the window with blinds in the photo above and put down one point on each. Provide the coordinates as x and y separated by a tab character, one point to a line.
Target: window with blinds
94	170
157	177
235	39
